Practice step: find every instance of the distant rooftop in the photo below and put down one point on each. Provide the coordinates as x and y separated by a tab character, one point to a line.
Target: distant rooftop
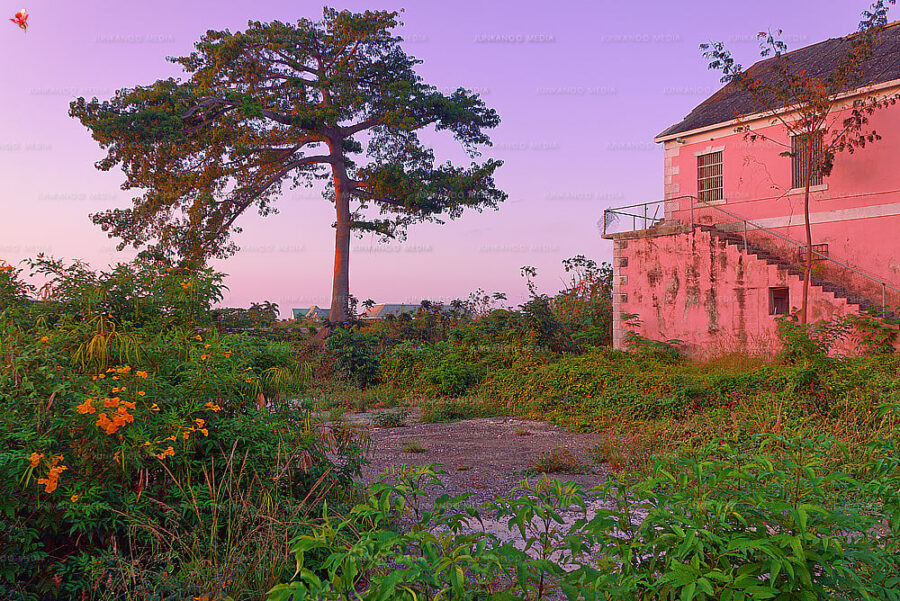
382	310
818	60
313	312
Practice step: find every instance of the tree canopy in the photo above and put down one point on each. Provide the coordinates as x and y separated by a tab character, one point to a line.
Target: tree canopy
283	105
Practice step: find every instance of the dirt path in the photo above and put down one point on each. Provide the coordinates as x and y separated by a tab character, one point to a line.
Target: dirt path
485	457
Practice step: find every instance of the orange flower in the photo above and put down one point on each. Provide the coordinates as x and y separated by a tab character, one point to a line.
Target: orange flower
226	355
52	480
198	337
248	380
111	402
200	422
204	357
122	417
169	452
187	434
141	374
74	498
127	405
107	424
86	407
204	430
35	459
45	338
212	406
207	345
101	376
141	393
154	407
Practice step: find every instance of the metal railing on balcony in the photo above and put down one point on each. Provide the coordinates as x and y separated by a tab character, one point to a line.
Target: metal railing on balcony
756	238
640	216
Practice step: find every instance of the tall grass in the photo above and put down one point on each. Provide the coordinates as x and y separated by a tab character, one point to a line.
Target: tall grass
228	539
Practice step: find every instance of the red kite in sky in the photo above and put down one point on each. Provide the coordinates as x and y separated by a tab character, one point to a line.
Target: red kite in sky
21	19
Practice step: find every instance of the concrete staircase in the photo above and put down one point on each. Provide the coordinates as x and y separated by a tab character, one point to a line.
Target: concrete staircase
840	291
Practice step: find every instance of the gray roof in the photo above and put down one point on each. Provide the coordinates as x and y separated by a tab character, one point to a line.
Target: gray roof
382	310
818	60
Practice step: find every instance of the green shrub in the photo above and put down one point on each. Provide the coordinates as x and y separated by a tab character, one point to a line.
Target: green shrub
451	410
441	369
404	364
722	525
119	406
453	376
354	355
556	461
391	419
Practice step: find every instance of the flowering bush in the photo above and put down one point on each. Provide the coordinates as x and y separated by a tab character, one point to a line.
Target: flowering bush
116	401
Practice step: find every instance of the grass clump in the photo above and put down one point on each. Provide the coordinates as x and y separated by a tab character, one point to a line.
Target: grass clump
440	411
391	419
414	446
557	461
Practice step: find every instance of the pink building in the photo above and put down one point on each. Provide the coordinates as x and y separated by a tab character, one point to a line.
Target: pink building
718	260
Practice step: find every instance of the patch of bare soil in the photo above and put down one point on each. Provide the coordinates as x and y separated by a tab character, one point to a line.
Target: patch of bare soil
485	457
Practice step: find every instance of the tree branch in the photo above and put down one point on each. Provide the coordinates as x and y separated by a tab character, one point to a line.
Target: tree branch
362	125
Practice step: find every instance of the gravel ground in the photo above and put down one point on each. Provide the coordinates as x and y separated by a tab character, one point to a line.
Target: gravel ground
485	457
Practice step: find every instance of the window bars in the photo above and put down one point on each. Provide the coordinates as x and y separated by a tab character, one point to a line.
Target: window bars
710	186
801	154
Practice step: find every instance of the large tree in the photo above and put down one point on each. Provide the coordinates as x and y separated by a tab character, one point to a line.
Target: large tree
813	108
286	104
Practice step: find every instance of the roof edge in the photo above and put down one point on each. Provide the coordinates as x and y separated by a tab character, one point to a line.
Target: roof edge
666	137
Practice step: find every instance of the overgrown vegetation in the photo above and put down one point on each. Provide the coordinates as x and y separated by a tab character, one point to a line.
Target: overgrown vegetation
155	447
142	453
719	524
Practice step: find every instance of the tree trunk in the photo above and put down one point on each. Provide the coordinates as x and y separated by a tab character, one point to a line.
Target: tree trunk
340	291
804	307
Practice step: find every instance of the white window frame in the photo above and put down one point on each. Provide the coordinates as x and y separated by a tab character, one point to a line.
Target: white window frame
711	195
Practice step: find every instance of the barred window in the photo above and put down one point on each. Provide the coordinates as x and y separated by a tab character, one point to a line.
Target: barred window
800	153
709	177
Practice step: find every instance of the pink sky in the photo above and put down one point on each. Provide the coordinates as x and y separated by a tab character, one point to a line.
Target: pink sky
582	88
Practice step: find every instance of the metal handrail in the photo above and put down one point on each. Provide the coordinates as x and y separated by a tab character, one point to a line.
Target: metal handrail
645	217
746	222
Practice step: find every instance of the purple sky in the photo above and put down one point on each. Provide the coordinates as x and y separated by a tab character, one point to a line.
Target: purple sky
582	88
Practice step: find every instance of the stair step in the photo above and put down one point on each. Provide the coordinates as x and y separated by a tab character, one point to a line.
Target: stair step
771	258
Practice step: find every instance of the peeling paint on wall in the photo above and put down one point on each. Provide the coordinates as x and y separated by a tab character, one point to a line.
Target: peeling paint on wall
715	302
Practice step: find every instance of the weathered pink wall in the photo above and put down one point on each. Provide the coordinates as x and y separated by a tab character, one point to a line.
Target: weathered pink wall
857	215
688	285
